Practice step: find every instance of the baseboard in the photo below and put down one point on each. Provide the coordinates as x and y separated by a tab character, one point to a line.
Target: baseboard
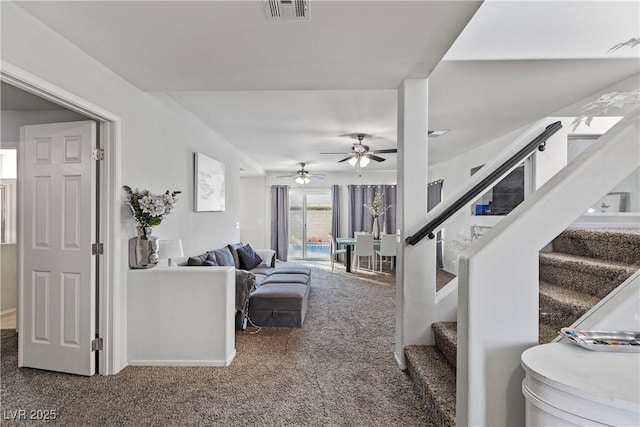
401	365
120	368
218	363
8	311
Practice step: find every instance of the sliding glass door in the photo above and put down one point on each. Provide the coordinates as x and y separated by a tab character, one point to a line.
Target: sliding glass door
309	223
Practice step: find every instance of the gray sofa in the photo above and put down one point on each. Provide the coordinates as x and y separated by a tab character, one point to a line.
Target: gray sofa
267	294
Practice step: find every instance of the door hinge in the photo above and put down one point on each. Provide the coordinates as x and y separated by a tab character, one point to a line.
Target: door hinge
96	344
97	249
97	154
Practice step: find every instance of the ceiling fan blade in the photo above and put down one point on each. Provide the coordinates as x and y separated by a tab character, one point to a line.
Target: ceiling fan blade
335	153
374	157
286	176
317	176
386	150
345	159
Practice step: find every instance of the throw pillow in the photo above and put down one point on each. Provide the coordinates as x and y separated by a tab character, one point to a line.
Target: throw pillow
197	260
223	257
211	260
233	247
249	259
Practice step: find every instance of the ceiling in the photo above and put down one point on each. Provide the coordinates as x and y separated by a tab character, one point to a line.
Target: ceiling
282	92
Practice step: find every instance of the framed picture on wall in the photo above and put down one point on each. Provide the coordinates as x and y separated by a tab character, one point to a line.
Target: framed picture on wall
209	194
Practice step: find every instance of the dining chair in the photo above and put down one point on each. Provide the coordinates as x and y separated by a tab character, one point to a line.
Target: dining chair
387	249
335	251
364	248
355	233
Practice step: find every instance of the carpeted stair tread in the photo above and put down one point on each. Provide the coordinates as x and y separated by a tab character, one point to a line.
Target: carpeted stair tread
587	275
446	337
592	262
584	267
560	307
618	245
435	381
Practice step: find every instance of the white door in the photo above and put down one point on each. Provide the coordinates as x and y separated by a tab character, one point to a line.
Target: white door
58	227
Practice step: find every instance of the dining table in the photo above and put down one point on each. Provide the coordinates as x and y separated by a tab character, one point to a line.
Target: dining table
349	243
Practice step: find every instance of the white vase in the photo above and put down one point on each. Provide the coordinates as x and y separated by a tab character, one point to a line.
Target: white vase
376	228
143	249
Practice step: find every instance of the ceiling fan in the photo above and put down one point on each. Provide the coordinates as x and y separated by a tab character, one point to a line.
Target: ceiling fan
361	155
303	176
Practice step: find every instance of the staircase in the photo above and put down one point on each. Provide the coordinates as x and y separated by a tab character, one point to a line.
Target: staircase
433	371
584	266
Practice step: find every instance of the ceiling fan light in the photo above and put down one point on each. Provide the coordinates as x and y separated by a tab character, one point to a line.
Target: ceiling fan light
300	180
364	161
352	161
306	180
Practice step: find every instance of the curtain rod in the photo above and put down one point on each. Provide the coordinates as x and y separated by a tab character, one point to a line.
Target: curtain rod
371	185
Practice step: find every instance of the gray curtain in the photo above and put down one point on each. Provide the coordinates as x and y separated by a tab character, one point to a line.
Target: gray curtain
280	221
360	219
335	211
389	218
434	196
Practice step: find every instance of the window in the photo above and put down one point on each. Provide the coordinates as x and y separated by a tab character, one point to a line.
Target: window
8	172
309	223
504	196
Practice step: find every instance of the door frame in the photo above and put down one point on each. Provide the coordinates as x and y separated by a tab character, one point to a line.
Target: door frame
109	134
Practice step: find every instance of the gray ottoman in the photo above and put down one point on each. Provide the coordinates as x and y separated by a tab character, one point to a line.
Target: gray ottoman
293	270
281	299
279	304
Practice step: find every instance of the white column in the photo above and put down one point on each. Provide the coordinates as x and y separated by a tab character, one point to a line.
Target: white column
415	276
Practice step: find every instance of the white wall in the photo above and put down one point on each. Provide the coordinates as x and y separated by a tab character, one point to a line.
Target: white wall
254	228
544	166
630	185
157	137
454	174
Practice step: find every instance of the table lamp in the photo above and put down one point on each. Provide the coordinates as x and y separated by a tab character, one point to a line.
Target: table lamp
170	249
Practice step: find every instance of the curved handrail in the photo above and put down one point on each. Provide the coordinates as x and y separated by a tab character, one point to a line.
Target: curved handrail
539	142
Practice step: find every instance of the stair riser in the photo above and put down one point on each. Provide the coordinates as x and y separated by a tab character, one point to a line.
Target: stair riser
446	344
591	280
558	315
617	247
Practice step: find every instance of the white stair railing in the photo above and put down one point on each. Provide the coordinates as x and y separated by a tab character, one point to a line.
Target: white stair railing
498	278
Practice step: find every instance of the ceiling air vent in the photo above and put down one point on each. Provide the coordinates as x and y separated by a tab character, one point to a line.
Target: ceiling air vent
292	10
